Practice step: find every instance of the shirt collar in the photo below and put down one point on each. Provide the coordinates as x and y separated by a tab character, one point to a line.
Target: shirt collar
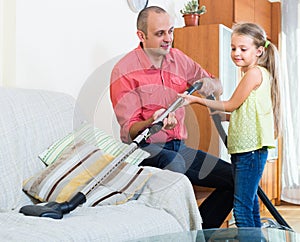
145	61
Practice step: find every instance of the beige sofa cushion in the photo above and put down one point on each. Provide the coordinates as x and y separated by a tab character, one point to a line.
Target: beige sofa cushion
92	135
82	166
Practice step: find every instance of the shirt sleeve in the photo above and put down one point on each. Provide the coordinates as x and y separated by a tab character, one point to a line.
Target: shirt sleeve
126	102
193	70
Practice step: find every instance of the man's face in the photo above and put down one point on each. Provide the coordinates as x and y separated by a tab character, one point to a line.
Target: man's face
159	38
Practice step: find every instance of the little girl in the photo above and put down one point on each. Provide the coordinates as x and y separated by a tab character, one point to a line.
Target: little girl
255	116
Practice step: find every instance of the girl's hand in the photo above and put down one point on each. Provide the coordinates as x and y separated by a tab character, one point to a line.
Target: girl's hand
188	99
223	115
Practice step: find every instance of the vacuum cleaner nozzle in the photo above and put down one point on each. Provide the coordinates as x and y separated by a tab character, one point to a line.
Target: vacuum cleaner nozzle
54	210
50	210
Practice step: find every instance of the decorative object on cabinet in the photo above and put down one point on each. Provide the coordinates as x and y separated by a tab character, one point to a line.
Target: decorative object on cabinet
137	5
191	13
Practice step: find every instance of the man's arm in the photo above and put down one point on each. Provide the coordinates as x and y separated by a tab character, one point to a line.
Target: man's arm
126	104
168	123
137	127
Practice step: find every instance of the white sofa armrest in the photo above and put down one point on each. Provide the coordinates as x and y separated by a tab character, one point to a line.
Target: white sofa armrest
173	192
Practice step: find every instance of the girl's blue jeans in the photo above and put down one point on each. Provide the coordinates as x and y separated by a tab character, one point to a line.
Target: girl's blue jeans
247	172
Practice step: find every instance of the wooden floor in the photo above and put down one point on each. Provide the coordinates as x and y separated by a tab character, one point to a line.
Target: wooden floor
290	213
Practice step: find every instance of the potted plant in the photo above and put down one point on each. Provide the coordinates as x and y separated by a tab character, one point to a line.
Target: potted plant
191	12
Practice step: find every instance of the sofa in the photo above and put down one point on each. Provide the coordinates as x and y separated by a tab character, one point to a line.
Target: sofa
30	121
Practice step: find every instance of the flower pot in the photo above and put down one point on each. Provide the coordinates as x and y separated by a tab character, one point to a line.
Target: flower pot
191	19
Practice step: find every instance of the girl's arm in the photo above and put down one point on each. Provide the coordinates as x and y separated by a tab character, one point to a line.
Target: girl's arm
250	81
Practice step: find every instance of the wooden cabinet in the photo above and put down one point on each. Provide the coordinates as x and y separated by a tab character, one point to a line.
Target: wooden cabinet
228	12
262	15
276	23
209	45
268	182
271	179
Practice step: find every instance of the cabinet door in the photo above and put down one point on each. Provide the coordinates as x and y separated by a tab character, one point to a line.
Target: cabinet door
244	10
275	22
228	74
263	15
209	45
218	12
201	43
229	12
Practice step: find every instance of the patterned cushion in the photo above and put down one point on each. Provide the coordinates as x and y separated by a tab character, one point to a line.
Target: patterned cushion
95	136
79	166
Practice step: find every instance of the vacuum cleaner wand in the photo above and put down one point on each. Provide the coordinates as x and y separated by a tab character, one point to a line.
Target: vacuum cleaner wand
218	123
196	86
56	210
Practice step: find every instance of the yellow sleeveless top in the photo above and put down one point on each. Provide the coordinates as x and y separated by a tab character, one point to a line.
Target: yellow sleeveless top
251	126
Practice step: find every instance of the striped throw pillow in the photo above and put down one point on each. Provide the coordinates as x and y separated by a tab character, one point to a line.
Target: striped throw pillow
94	136
78	167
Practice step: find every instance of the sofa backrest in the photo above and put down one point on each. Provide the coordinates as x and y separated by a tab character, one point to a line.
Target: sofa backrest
30	121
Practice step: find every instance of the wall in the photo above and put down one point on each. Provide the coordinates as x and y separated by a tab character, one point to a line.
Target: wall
7	41
70	46
1	42
57	44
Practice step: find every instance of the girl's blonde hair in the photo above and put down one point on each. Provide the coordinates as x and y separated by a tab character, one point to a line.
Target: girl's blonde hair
268	59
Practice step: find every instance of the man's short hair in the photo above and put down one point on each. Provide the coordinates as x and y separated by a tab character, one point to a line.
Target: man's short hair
142	19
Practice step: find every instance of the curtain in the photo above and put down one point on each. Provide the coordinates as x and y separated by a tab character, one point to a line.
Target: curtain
290	53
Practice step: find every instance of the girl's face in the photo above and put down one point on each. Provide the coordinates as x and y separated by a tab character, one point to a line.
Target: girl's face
243	51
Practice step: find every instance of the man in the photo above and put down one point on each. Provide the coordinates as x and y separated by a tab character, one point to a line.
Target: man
143	84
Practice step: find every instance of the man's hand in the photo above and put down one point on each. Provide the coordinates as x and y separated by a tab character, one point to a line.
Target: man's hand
169	122
211	86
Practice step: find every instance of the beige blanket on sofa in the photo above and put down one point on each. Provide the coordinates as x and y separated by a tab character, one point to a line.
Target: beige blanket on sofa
166	205
30	121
